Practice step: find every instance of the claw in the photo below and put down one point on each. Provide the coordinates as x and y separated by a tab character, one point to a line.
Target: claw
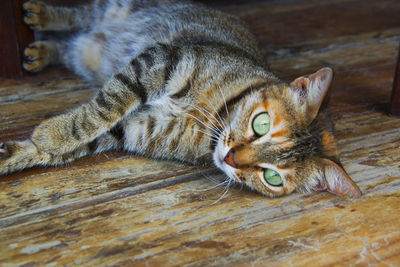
3	148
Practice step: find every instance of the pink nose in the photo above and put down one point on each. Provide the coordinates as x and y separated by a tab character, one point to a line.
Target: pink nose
230	158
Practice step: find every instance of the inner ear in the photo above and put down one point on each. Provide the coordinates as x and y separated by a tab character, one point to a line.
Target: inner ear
337	181
308	92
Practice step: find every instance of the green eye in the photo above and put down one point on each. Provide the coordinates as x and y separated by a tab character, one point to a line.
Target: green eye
261	124
272	177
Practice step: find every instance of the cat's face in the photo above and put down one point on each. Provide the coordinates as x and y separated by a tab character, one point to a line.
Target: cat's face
279	141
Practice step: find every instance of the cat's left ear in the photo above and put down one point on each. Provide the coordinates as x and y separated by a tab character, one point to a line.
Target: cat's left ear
308	92
337	181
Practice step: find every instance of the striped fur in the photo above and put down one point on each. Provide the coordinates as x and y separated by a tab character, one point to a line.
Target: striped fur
179	81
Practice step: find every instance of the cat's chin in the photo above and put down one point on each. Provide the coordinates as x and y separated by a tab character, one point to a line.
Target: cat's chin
218	156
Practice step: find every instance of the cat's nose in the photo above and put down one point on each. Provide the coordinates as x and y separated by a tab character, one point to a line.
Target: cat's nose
230	158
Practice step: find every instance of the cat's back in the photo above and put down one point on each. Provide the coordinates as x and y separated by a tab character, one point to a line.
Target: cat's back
128	27
175	22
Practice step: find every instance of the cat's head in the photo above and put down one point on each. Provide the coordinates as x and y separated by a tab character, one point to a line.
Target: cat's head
280	139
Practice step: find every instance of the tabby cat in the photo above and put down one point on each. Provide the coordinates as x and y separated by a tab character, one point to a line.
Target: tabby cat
181	81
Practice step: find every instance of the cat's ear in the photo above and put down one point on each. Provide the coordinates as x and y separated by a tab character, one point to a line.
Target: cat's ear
337	181
308	92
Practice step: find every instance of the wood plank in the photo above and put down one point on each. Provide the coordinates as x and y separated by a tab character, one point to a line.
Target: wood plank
364	124
288	27
38	189
24	105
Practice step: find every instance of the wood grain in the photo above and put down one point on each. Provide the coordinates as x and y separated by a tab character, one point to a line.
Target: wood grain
117	209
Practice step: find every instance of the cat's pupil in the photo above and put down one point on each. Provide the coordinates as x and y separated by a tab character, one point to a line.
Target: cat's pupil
261	124
272	177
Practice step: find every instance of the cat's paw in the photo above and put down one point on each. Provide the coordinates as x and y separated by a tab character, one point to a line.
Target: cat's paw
16	156
6	151
36	15
36	57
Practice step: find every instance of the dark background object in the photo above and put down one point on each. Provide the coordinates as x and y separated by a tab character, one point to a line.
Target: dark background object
395	101
14	36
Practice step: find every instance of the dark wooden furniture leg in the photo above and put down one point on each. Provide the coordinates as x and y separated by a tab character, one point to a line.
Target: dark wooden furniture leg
14	36
395	101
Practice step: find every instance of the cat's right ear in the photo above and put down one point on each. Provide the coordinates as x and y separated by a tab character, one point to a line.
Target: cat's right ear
307	93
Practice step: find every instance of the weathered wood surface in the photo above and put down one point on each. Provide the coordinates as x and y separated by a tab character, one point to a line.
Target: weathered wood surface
118	209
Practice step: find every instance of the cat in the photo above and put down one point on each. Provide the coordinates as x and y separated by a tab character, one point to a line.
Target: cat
180	81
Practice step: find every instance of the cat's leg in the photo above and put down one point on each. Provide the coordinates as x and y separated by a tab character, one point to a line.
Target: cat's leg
40	16
143	80
19	155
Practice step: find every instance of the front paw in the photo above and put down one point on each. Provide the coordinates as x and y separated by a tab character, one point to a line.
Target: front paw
16	156
7	162
36	57
36	15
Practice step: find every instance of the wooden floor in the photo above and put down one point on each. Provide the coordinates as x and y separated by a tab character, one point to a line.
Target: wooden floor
117	209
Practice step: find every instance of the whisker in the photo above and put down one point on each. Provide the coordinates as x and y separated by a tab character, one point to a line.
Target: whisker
216	119
212	187
225	191
207	126
223	97
201	111
210	136
213	180
219	119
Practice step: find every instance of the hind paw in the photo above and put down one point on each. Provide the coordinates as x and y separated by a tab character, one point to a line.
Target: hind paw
36	57
36	15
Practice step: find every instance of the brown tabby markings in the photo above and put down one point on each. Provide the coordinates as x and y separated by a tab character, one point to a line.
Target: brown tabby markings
183	82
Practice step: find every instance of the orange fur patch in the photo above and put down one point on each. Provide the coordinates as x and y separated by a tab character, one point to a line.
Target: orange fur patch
283	166
266	104
243	156
329	144
277	120
280	133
